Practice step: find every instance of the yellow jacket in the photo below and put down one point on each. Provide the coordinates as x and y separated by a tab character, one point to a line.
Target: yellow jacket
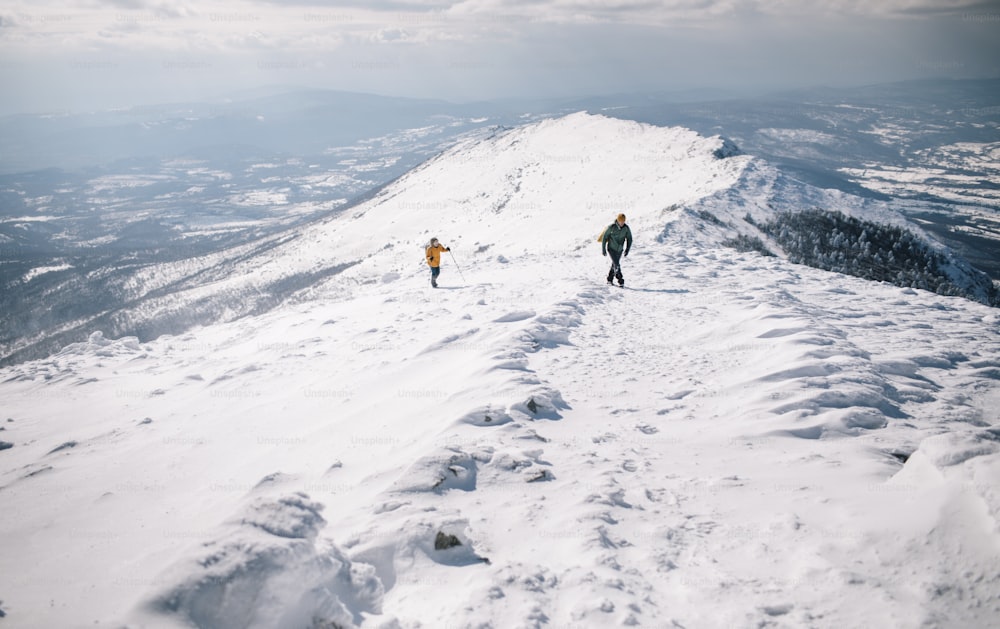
434	255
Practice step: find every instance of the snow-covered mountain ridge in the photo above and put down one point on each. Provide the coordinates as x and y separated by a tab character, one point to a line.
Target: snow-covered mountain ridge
577	170
568	176
732	440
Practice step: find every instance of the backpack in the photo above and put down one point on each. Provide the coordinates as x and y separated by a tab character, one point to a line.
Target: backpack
603	233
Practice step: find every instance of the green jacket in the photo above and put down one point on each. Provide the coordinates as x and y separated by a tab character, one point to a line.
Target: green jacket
616	238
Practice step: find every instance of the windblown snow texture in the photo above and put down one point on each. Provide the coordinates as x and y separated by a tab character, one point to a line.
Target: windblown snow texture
736	440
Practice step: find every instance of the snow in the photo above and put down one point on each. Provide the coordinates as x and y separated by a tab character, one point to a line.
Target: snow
963	172
259	198
41	270
29	219
730	440
802	136
112	183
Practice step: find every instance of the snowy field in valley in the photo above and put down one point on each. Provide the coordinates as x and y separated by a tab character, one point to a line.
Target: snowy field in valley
729	441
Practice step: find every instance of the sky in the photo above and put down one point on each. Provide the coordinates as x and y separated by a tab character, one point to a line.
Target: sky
80	55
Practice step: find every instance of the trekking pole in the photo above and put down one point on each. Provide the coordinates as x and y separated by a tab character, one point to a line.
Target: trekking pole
457	267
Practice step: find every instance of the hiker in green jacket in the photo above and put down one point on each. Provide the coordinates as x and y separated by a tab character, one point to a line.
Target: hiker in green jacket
617	241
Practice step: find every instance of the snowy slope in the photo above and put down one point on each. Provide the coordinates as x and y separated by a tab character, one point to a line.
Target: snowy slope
730	441
561	178
568	177
763	192
582	167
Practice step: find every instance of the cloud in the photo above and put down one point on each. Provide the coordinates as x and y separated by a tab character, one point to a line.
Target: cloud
395	22
368	5
470	49
937	8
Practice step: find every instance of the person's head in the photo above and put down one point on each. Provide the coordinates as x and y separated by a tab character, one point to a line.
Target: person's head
621	219
434	242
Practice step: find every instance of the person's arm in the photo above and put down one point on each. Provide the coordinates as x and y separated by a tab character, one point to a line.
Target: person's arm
628	239
604	241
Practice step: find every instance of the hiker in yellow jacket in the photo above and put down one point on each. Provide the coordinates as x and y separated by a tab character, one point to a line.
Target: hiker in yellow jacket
433	252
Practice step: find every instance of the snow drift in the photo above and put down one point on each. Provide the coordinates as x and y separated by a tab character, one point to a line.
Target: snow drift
730	440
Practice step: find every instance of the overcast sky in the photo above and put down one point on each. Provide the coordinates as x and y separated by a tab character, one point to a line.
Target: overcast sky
89	54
